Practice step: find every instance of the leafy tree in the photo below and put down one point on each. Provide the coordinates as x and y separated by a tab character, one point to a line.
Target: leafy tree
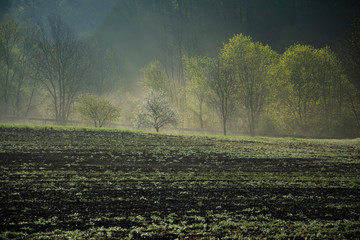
61	61
310	87
10	36
333	87
223	89
297	88
97	109
249	62
156	112
155	77
197	71
14	56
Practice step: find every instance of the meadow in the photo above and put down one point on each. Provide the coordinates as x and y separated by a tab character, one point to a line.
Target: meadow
84	183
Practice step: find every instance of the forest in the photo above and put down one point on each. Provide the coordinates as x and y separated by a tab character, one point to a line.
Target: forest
236	67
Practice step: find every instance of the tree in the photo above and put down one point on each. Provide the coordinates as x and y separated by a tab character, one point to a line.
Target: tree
156	112
98	110
61	64
155	78
310	87
223	89
352	100
14	53
10	36
249	61
333	87
197	70
350	54
105	68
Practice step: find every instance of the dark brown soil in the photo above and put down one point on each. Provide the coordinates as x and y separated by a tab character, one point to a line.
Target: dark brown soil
42	177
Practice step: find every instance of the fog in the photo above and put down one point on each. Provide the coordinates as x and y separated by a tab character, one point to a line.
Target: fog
130	47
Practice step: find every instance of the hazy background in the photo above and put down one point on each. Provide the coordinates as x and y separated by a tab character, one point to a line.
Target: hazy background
138	31
125	36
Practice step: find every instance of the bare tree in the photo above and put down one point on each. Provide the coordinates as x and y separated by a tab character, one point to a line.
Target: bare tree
156	112
61	64
350	54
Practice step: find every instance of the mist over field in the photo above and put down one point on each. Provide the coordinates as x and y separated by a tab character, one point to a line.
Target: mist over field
258	100
232	67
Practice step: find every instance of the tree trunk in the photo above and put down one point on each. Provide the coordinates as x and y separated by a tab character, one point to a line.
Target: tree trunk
201	117
251	122
353	108
30	99
224	125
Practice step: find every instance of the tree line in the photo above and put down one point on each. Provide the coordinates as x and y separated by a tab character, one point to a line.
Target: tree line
44	68
303	91
247	88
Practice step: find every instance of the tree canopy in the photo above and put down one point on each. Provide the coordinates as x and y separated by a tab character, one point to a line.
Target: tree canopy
97	109
249	63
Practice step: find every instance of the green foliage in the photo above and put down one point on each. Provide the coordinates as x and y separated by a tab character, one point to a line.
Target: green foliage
249	63
97	109
10	37
310	89
156	112
197	71
223	89
252	88
15	83
155	78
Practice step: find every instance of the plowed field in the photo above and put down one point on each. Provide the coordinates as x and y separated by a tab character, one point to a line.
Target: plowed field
60	183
